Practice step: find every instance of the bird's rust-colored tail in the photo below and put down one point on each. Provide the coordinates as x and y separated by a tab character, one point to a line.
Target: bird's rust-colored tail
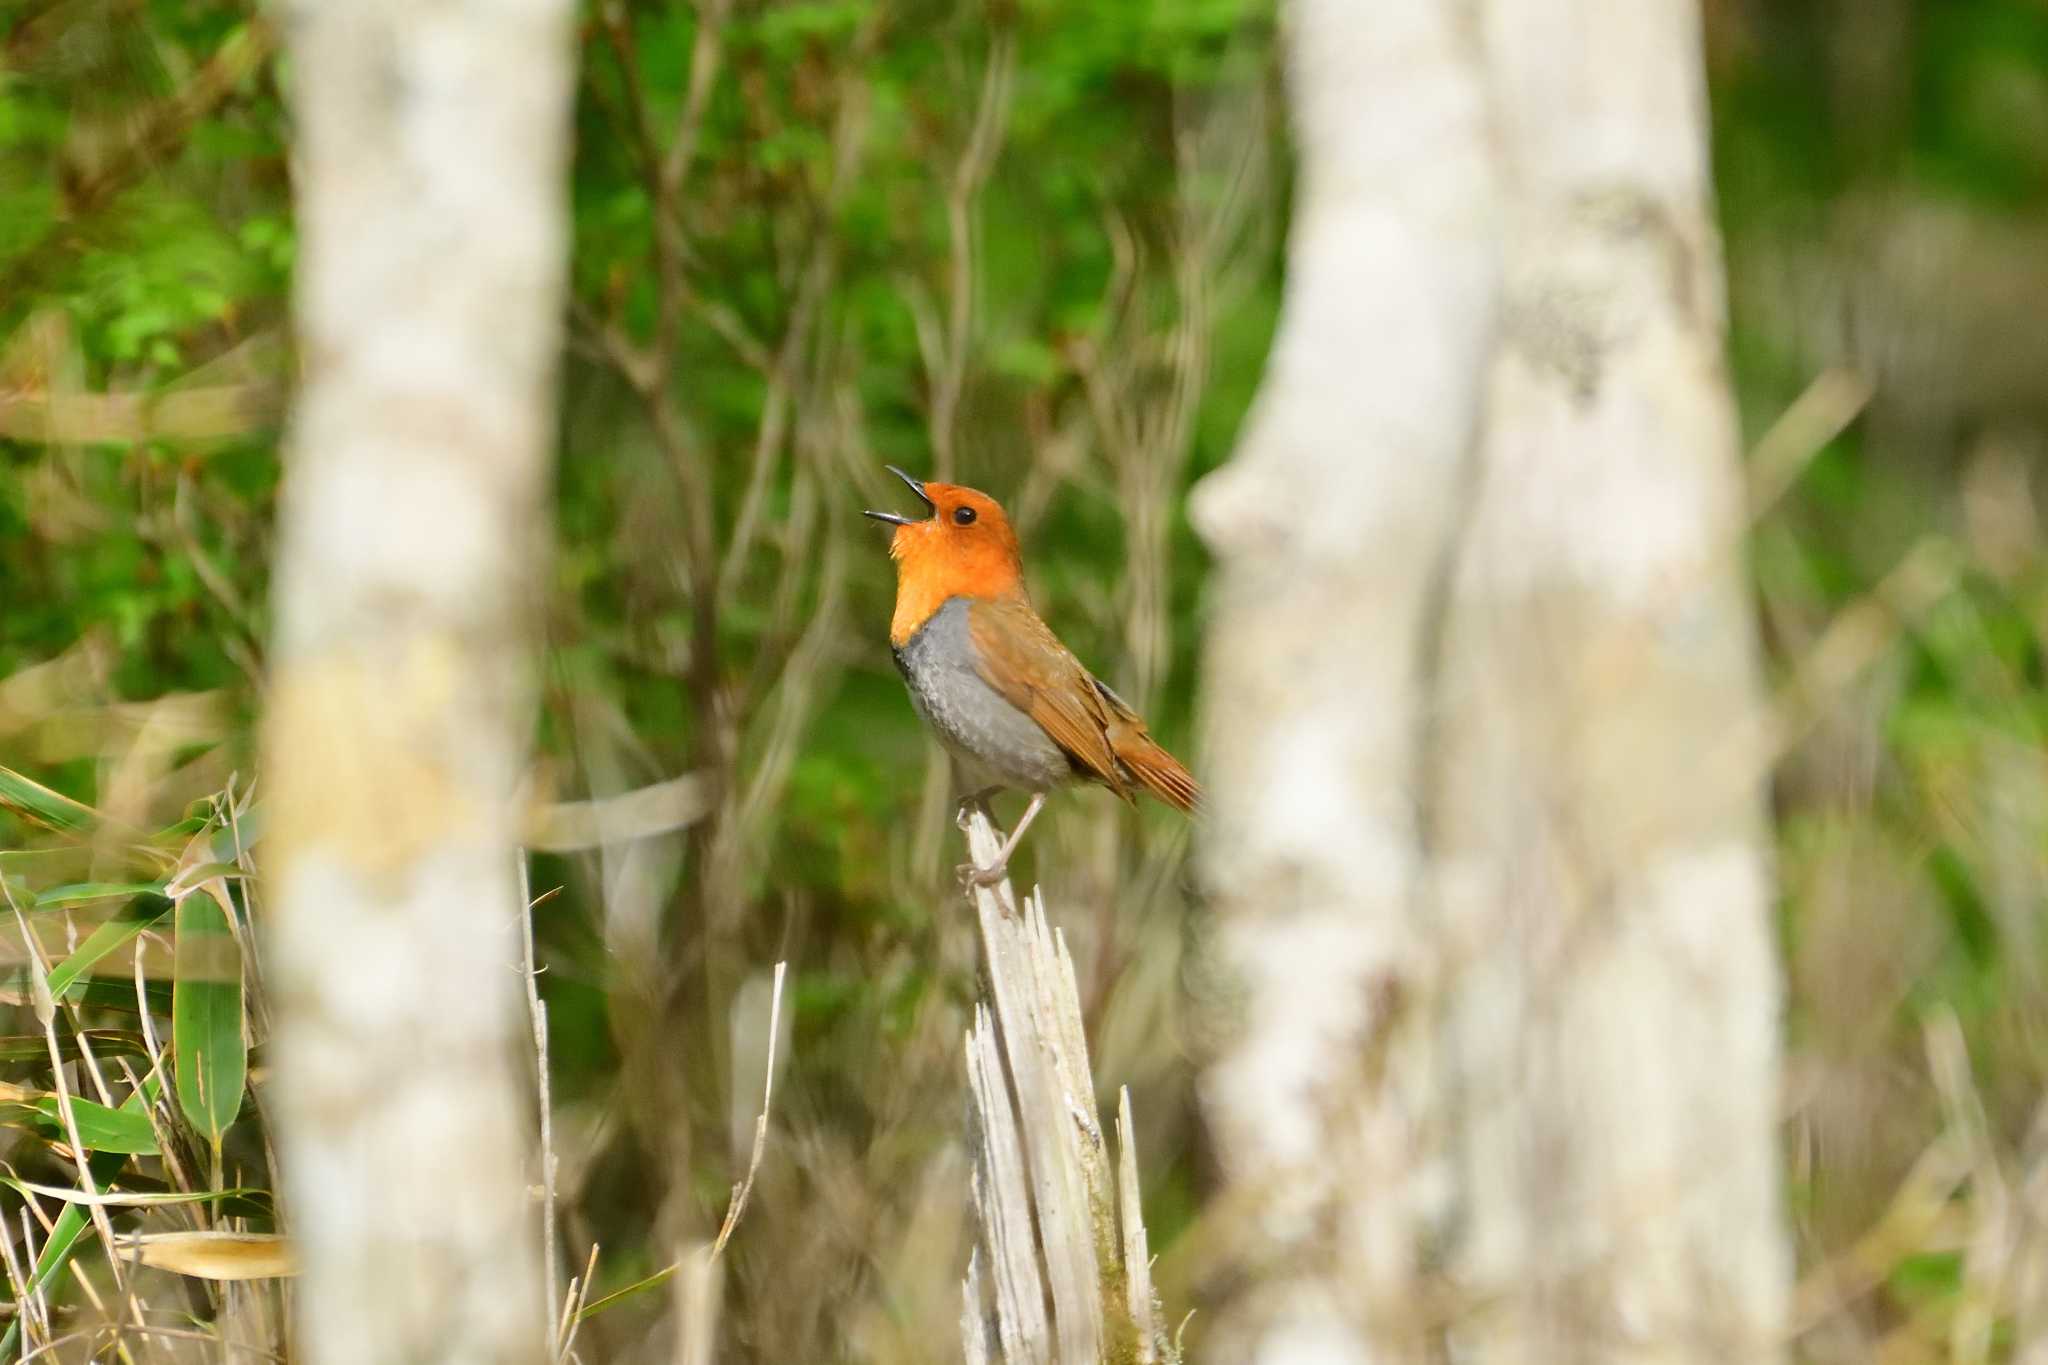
1158	771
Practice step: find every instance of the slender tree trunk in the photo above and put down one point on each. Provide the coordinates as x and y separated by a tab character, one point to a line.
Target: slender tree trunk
429	166
1331	527
1490	856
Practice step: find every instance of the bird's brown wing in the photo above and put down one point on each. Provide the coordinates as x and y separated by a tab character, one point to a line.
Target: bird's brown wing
1144	759
1019	656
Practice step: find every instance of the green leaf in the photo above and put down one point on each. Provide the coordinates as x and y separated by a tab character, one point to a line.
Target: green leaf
80	893
101	1129
212	1058
618	1296
41	804
115	994
34	1047
242	833
133	918
205	872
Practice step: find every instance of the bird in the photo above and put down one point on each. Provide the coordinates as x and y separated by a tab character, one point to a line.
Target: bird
992	680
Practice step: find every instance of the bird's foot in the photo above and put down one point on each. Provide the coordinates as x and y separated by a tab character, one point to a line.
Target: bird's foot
972	877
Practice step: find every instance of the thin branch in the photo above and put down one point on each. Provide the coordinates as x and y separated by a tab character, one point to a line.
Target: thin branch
849	128
976	161
707	49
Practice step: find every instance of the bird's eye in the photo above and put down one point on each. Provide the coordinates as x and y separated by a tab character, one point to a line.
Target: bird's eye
963	516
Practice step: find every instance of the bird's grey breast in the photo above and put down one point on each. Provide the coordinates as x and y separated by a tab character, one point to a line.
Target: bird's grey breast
973	719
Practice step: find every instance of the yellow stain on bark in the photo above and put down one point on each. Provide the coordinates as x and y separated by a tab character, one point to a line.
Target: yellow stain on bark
362	761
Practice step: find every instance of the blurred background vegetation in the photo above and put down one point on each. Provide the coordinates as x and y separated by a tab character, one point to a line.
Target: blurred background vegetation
1035	245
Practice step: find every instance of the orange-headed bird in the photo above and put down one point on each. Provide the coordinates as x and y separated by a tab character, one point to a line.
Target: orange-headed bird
1003	694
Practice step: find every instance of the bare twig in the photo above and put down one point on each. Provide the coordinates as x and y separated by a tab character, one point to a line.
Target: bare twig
537	1011
745	1187
572	1308
18	1279
46	1009
976	160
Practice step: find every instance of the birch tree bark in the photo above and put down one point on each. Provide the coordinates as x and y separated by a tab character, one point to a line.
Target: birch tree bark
1517	948
1331	528
429	166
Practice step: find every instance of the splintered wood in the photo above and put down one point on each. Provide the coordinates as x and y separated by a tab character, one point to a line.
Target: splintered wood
1060	1274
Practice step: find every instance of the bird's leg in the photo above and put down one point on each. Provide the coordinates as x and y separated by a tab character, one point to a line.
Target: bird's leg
993	873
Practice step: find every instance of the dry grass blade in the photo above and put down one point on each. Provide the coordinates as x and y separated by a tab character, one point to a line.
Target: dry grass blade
1918	1208
572	1307
196	414
216	1255
1815	418
122	1199
569	826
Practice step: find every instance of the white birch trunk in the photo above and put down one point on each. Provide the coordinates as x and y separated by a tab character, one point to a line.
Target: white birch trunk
1331	528
1490	860
429	167
1602	859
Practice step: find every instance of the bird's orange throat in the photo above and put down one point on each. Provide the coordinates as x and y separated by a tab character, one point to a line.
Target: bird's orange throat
932	566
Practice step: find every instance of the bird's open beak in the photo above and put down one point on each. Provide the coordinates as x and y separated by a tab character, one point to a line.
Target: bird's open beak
915	487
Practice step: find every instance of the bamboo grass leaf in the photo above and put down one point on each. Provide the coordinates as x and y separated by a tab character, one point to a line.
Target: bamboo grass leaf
208	1043
84	893
100	1128
45	807
125	1199
133	918
34	1047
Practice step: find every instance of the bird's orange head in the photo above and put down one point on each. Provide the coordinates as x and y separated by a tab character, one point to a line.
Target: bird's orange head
965	548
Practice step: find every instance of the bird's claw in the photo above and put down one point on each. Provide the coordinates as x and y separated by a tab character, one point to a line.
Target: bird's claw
970	803
972	877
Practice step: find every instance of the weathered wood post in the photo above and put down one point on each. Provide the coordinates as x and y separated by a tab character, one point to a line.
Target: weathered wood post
1060	1274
